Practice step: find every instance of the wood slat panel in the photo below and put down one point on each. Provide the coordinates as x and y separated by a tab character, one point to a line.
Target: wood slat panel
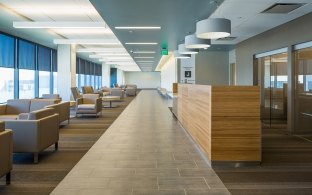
224	121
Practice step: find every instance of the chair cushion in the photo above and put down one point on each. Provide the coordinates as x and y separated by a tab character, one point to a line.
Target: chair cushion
86	106
89	98
42	113
8	117
16	106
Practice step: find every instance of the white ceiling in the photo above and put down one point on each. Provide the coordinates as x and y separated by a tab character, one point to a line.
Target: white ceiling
58	11
248	21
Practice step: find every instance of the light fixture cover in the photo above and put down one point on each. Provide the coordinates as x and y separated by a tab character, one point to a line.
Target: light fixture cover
180	56
183	50
192	42
213	28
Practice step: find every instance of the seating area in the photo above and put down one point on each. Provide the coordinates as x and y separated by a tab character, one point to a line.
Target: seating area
31	126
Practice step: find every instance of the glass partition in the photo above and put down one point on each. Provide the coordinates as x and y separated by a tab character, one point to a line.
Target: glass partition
303	95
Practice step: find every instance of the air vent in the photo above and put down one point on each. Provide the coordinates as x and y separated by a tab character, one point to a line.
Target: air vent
227	39
282	8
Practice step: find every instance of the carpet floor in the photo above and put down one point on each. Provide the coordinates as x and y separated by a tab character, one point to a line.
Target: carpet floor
286	167
75	140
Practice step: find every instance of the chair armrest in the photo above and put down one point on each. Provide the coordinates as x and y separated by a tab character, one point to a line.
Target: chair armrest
3	109
99	104
6	150
79	101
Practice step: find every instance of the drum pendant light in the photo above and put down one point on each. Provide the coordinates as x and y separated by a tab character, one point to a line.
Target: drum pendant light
183	50
213	28
192	42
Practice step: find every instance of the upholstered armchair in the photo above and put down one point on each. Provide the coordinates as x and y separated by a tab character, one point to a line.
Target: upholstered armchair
89	104
89	89
35	131
118	92
6	149
130	91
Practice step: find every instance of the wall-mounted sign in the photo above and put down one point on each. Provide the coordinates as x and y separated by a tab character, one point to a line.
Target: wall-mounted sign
188	74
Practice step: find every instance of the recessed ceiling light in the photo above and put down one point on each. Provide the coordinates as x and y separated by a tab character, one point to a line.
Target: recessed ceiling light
183	50
62	25
145	57
142	43
86	41
144	61
112	54
138	27
143	52
102	50
180	56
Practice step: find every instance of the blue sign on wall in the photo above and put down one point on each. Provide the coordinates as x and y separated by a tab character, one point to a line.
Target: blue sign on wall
113	76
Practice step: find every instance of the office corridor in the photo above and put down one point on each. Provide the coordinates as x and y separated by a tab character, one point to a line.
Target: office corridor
144	151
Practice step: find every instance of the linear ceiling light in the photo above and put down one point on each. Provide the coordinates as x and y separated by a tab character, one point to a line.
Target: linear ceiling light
85	42
180	56
144	57
183	50
192	42
143	52
142	43
102	50
213	28
109	56
138	27
112	54
92	25
144	61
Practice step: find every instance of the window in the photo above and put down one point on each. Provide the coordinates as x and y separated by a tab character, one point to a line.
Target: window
54	82
26	65
44	82
26	84
6	84
44	67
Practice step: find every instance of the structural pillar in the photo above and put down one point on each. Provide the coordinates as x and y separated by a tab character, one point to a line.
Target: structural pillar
66	70
105	75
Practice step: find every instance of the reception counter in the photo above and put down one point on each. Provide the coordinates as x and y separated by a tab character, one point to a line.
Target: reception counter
223	120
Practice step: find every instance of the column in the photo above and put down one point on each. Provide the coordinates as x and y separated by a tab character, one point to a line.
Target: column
105	75
66	70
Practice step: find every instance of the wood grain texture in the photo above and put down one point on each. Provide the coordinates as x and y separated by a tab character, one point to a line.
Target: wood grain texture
174	87
223	120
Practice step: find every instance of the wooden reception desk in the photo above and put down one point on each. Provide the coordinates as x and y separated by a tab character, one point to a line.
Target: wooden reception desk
223	120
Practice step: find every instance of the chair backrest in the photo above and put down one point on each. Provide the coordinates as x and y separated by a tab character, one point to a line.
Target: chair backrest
90	98
75	93
87	89
17	106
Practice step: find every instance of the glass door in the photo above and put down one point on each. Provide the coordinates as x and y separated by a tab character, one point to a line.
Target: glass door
273	82
303	95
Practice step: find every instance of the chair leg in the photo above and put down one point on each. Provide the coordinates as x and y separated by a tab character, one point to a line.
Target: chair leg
56	146
36	157
8	178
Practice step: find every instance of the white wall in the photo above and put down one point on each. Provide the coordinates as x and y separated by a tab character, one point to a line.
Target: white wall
212	68
105	75
168	74
144	80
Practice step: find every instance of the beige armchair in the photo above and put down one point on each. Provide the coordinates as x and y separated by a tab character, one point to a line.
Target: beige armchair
6	149
52	96
130	91
89	104
76	93
89	89
118	92
35	131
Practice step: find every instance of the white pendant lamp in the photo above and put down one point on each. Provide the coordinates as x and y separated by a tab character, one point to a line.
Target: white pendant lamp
177	55
183	50
192	42
213	28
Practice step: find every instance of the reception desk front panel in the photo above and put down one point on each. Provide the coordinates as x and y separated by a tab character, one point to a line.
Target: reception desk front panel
223	120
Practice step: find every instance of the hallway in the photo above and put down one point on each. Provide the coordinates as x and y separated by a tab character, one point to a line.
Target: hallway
144	151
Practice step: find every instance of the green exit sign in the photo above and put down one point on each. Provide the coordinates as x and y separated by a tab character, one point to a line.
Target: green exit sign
164	52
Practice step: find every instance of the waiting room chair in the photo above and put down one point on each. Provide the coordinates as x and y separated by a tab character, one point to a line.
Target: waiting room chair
75	92
6	149
89	104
